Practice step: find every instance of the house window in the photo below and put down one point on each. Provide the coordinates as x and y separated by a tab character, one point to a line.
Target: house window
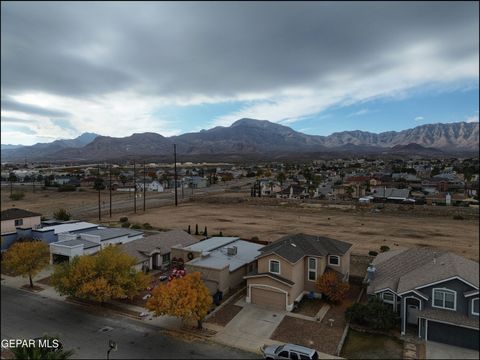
334	260
274	266
444	298
387	297
166	258
19	222
312	269
475	306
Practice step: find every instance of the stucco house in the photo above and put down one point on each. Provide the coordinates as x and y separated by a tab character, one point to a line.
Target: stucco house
153	252
222	261
17	224
13	218
288	268
435	293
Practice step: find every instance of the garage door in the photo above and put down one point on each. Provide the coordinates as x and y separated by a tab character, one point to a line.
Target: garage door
269	298
453	335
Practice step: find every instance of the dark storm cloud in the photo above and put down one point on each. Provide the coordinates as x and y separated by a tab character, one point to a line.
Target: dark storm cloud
12	105
222	49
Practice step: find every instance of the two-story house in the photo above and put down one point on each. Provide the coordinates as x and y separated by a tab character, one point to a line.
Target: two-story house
435	293
288	268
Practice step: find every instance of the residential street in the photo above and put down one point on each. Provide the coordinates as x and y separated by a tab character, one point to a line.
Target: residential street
26	315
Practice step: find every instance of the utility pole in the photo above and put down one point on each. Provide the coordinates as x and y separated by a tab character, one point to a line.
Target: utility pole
99	206
134	189
110	175
175	169
144	186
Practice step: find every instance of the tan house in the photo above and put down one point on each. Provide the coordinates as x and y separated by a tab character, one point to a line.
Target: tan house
222	262
288	268
13	218
153	252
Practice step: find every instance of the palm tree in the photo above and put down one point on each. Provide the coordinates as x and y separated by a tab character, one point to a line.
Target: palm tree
42	353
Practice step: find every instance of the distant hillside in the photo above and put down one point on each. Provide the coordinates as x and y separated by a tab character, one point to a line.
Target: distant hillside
259	139
41	151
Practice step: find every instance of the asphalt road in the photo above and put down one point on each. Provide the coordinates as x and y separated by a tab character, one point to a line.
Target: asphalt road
27	316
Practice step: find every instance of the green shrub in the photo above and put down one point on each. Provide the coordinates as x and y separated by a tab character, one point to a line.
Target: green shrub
81	189
384	248
255	238
126	224
17	196
62	214
458	217
147	226
135	226
372	253
375	314
123	219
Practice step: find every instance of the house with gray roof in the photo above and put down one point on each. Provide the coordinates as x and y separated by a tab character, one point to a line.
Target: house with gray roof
435	293
222	261
153	252
289	268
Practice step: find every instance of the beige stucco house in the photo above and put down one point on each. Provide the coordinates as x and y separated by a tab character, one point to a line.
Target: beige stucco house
221	261
288	268
13	218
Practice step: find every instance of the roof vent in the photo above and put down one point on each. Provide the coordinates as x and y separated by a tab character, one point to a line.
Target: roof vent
232	250
293	244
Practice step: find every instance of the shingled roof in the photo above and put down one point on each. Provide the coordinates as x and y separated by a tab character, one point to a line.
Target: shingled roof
15	213
295	247
415	267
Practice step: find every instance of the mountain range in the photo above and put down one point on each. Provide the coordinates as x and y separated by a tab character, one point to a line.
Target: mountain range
255	139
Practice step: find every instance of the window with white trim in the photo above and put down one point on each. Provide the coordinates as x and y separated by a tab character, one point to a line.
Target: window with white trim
312	269
334	260
444	299
475	306
388	297
274	267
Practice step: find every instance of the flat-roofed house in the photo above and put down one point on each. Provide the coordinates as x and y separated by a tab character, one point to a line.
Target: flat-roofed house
222	261
89	242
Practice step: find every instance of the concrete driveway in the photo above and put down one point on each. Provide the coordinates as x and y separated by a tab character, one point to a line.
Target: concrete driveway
443	351
251	328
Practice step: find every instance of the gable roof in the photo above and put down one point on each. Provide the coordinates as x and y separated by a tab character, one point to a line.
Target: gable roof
295	247
163	242
15	213
412	268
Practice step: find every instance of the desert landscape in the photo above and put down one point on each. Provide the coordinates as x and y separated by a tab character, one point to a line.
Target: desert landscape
366	231
235	214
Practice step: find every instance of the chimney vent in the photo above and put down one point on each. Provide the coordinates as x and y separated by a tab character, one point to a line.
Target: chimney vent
371	270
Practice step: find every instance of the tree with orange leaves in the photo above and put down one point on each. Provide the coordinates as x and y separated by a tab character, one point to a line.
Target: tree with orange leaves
330	285
187	298
109	274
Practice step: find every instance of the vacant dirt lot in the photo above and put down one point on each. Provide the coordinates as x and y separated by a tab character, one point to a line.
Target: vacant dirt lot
367	231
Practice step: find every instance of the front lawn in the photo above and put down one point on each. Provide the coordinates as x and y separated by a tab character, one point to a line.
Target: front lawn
360	345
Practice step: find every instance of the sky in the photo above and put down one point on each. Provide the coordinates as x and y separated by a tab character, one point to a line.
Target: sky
117	68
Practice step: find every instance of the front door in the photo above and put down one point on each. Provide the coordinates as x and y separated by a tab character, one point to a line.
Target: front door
412	312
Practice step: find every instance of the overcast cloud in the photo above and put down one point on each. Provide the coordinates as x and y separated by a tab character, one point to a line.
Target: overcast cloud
109	67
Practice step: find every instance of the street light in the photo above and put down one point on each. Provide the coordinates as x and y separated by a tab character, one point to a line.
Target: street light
112	345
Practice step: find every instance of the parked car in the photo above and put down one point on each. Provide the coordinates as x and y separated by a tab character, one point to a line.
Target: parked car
289	351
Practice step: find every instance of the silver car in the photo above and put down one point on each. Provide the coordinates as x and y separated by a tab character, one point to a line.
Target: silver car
289	351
